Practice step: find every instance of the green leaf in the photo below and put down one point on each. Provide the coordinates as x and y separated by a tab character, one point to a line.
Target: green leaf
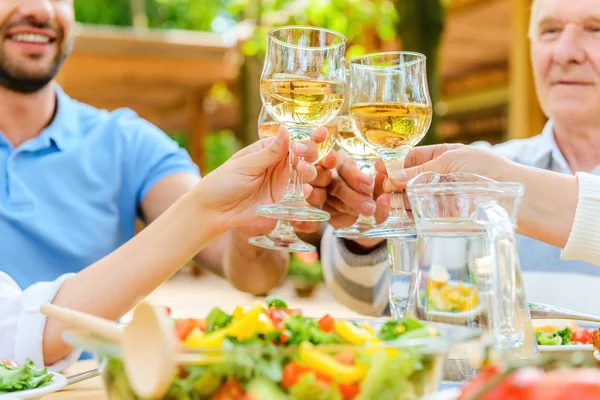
276	302
394	329
217	319
308	388
562	337
301	329
24	377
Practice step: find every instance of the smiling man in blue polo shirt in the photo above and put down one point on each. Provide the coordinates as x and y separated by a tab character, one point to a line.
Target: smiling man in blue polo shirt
73	178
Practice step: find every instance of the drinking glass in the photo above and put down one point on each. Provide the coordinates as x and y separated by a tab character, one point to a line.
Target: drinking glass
302	86
390	109
364	157
401	262
283	236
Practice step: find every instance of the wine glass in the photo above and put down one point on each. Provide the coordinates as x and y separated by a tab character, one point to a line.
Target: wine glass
283	236
302	86
390	109
364	157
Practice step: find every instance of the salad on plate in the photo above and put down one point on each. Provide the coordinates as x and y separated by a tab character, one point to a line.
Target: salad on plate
14	377
563	334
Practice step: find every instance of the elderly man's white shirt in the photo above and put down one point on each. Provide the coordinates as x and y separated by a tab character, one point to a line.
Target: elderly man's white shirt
548	279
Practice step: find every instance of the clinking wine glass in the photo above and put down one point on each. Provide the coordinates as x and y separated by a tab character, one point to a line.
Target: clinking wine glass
302	87
390	109
364	157
283	236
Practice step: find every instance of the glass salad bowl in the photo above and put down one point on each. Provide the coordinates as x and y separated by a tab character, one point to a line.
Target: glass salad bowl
276	353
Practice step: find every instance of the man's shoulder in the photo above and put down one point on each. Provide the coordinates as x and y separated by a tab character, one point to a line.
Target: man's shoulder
520	150
119	121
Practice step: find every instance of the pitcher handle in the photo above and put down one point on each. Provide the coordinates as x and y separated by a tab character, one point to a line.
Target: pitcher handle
511	317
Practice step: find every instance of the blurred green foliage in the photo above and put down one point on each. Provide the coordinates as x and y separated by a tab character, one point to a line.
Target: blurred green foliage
166	14
309	272
113	12
349	17
220	145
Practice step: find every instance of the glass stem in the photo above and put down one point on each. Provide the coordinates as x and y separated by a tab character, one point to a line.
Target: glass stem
395	162
294	190
367	167
283	232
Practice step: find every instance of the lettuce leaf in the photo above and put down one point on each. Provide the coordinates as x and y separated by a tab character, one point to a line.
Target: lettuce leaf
25	377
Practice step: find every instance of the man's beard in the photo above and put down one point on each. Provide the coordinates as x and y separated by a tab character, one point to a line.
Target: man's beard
15	78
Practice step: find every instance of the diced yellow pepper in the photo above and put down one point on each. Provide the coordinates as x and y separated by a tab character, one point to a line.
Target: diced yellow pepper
401	329
265	325
350	333
377	345
368	328
212	340
464	290
242	329
454	297
193	337
329	366
247	326
238	313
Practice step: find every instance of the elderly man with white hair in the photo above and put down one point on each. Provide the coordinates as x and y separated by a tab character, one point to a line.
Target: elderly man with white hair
565	54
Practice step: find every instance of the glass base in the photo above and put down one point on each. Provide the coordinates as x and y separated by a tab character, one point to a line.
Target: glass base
356	231
397	307
293	211
295	246
393	228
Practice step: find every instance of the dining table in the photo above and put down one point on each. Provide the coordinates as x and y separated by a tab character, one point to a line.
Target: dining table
90	389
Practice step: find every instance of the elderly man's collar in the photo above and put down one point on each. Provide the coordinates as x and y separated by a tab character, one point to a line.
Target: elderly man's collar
546	154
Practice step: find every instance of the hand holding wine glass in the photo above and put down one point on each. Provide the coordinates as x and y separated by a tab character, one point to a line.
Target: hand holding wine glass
390	109
283	237
302	87
363	157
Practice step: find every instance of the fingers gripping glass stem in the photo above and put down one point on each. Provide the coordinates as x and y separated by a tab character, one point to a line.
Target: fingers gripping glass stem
398	223
364	222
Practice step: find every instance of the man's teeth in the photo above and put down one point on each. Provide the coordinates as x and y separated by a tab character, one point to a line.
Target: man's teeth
31	38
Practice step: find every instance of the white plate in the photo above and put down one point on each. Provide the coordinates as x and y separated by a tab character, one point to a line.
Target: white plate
58	382
597	355
448	394
565	352
567	348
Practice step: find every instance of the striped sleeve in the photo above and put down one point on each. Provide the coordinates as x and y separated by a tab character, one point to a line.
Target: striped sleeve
360	282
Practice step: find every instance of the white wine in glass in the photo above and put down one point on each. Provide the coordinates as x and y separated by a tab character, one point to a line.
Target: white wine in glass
302	104
283	236
390	109
391	126
303	86
364	157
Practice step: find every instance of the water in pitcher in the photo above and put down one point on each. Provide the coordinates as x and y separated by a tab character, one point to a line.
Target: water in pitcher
467	268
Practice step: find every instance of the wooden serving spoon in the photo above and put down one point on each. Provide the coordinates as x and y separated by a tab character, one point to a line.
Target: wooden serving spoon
148	344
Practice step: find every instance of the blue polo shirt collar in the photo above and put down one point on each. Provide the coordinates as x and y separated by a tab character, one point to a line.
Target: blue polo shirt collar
61	132
64	127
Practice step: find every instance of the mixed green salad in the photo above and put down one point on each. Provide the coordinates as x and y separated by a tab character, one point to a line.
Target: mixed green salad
560	337
14	378
275	352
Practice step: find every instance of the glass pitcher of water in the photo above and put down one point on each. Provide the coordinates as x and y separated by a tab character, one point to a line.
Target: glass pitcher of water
466	269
